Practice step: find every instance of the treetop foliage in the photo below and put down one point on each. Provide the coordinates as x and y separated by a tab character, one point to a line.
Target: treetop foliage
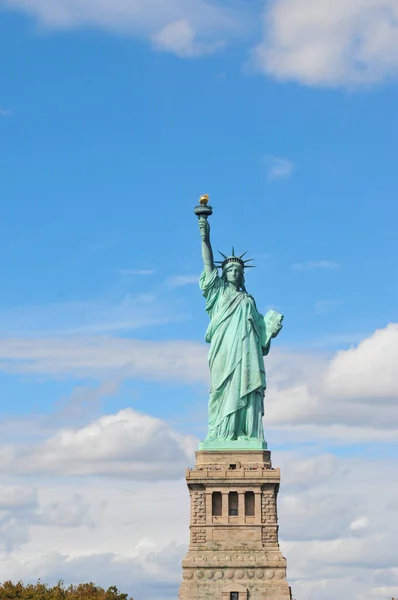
41	591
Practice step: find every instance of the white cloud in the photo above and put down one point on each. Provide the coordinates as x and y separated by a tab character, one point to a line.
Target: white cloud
351	393
136	272
323	306
311	265
112	484
351	396
361	523
278	168
152	575
339	339
333	523
335	530
185	28
131	520
123	534
16	497
120	445
73	512
355	388
330	43
176	281
104	356
133	311
368	371
323	43
82	404
179	37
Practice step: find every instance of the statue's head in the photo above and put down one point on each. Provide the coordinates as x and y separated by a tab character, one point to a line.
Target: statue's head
233	272
233	269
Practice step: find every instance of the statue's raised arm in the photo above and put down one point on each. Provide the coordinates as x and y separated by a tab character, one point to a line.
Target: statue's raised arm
203	211
207	251
239	336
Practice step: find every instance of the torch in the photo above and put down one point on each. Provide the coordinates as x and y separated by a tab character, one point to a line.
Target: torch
203	209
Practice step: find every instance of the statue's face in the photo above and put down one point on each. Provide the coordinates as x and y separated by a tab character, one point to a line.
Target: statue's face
233	273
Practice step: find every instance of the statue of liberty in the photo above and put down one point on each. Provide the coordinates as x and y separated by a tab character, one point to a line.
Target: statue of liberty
240	337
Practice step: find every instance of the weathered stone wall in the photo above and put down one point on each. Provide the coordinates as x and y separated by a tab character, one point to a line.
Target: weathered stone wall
269	516
238	550
213	589
198	536
198	506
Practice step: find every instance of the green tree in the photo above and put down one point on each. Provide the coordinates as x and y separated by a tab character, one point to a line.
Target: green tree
41	591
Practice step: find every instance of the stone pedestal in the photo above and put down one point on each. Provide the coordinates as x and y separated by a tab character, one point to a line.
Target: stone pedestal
234	551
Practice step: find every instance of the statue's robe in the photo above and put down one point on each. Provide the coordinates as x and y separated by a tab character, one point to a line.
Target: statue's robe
239	339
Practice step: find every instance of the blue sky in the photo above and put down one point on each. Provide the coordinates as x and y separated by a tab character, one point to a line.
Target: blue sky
114	119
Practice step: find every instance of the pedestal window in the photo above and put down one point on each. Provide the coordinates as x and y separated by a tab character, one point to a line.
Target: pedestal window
233	504
216	504
249	504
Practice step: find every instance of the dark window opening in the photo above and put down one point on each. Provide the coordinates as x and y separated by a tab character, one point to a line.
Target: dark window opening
234	596
233	504
249	504
217	504
232	467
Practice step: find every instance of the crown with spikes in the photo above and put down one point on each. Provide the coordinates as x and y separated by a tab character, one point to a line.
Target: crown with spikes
234	259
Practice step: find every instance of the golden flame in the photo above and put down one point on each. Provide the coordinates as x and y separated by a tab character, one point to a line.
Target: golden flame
204	199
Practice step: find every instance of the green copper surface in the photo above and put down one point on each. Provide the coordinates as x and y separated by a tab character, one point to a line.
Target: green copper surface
239	337
233	445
